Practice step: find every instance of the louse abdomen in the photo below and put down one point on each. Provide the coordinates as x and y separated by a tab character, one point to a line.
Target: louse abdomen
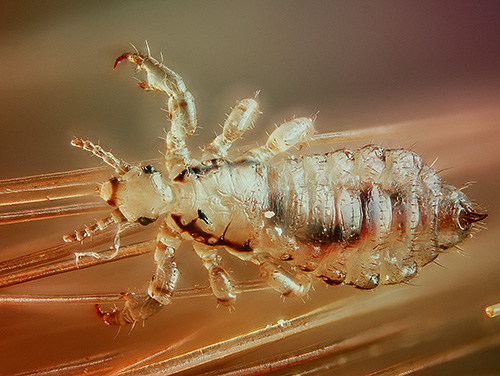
367	217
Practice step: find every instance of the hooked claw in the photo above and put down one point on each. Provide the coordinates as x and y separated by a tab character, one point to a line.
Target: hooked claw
137	307
114	317
134	58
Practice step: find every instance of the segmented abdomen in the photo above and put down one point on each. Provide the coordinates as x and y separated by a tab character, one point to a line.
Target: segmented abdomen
366	217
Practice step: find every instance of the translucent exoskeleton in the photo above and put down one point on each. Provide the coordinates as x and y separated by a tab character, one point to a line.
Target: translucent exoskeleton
364	217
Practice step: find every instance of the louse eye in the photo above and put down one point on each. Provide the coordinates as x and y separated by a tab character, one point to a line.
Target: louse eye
466	218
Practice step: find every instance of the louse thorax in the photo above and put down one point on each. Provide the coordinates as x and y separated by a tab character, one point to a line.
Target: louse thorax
141	194
455	217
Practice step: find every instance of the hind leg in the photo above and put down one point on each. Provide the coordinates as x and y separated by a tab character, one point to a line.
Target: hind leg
283	281
220	282
295	132
277	277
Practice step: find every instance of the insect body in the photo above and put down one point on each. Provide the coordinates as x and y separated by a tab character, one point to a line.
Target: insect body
364	217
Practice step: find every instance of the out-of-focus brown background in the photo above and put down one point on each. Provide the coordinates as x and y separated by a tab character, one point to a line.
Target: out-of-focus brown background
358	63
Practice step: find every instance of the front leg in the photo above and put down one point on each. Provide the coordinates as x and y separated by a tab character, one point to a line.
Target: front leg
181	105
161	287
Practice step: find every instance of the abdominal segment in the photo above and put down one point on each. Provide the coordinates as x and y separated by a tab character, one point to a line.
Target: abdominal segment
359	218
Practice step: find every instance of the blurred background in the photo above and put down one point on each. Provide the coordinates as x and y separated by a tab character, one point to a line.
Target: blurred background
433	67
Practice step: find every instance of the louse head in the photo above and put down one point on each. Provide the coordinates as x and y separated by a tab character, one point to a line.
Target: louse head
141	194
456	217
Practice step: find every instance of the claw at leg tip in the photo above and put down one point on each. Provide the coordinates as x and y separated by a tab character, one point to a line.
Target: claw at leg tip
134	58
120	58
101	314
109	318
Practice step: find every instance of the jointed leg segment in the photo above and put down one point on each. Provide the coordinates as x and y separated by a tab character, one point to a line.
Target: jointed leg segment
292	133
161	287
220	282
281	280
284	282
240	119
295	132
181	105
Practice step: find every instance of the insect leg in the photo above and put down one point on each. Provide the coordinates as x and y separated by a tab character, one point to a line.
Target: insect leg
241	118
181	106
281	280
292	133
220	282
161	287
120	166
